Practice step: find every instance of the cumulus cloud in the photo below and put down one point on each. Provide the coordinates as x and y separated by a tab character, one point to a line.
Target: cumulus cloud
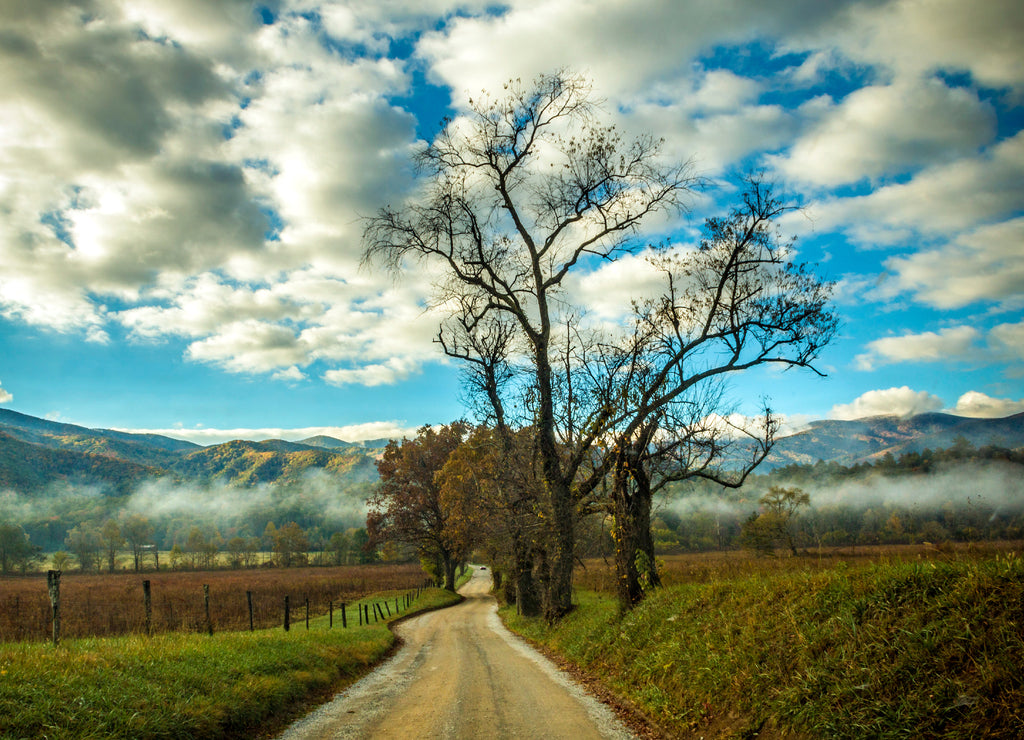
940	200
1007	341
953	343
385	373
201	171
609	289
1003	343
912	38
983	265
884	129
5	397
979	405
900	401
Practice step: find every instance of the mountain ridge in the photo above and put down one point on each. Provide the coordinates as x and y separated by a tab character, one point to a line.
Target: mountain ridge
848	442
34	452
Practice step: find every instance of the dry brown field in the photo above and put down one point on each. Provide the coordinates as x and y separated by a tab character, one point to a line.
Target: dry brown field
598	574
112	604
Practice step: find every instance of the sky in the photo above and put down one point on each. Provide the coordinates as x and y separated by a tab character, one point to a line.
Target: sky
183	188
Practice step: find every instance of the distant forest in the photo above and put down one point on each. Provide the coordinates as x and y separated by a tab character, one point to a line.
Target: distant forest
961	494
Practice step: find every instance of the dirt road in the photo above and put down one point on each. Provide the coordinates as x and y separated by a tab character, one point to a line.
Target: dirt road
461	674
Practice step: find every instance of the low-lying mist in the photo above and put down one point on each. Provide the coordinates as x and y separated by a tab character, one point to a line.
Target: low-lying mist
965	502
995	486
317	499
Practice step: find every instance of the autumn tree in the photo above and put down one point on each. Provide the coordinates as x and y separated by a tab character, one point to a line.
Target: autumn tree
138	533
490	486
110	534
406	506
290	545
16	550
781	505
85	542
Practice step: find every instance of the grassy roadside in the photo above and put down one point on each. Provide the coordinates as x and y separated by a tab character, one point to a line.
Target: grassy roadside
896	650
184	685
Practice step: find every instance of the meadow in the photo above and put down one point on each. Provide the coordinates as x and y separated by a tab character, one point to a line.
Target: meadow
883	643
183	685
113	604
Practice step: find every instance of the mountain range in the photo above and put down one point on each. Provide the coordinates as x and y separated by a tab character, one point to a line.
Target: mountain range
36	452
869	439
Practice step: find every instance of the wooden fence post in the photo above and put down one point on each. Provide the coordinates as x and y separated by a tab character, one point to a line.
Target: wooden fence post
147	601
344	621
206	608
330	614
388	607
53	587
248	599
287	615
307	613
359	608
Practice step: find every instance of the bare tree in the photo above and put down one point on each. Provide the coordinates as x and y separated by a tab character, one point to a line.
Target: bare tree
518	193
734	304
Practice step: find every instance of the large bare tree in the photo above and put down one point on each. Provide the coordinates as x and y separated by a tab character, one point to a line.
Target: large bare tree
519	192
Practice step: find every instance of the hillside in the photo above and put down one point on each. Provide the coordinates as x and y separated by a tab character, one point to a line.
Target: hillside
849	442
36	452
248	463
29	468
151	450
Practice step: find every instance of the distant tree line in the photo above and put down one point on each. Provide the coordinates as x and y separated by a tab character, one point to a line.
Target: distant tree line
92	547
745	517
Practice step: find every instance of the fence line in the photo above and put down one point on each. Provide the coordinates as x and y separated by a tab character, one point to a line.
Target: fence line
83	605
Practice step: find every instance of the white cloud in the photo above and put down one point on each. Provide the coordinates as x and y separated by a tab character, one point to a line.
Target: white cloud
939	201
983	265
900	401
182	169
880	130
951	344
914	38
386	373
978	405
609	289
1007	341
5	397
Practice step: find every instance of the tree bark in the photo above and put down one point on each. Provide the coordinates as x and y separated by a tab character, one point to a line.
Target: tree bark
635	565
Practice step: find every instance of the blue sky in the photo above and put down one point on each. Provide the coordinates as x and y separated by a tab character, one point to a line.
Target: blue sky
183	186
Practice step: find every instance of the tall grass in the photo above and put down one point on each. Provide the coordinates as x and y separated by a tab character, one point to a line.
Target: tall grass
895	649
176	685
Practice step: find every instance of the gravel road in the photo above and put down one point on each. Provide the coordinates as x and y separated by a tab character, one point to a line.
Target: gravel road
461	674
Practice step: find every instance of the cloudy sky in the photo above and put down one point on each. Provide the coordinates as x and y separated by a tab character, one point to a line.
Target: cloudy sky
183	183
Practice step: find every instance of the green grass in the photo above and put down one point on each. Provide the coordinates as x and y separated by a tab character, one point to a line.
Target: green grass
895	650
184	685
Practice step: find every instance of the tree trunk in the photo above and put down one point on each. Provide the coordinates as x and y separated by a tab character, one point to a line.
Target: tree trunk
635	566
449	573
527	601
558	588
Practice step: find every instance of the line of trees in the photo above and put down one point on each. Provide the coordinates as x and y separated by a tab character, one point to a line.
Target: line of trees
518	197
92	547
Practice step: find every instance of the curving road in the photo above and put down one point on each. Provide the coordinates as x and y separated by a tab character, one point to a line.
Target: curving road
461	674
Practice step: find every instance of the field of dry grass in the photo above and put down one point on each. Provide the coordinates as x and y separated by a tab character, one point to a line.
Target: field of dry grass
707	567
112	604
